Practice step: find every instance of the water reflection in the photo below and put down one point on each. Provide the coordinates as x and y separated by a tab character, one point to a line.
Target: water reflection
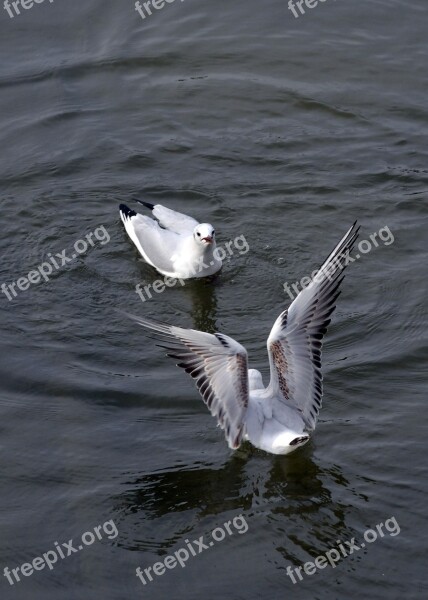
303	506
202	294
289	499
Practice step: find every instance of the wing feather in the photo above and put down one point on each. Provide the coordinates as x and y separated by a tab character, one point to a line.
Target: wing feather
219	366
173	220
295	341
156	245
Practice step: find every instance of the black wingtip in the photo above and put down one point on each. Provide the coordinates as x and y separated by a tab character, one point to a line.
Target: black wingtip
146	204
128	212
356	226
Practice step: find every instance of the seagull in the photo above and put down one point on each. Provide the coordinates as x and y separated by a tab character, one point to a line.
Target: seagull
174	244
278	418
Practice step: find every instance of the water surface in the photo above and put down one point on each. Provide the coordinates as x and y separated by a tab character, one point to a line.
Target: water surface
284	130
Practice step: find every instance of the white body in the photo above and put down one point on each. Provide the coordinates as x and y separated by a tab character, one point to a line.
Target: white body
270	428
269	424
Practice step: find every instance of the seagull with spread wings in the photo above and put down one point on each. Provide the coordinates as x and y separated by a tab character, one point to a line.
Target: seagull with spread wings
280	417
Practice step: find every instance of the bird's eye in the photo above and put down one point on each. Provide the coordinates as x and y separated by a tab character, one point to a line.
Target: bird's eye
213	233
198	234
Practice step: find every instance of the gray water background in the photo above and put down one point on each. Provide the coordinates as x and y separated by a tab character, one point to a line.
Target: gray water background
280	129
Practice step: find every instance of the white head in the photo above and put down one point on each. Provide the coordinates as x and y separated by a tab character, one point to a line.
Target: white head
204	234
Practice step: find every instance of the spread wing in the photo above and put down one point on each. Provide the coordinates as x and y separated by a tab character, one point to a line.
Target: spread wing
295	342
219	366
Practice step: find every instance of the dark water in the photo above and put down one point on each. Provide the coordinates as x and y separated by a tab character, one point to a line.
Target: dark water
281	129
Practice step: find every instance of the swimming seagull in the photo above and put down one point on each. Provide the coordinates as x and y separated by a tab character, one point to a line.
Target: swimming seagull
174	244
279	418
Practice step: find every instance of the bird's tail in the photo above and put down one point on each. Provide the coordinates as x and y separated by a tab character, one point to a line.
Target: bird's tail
126	212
